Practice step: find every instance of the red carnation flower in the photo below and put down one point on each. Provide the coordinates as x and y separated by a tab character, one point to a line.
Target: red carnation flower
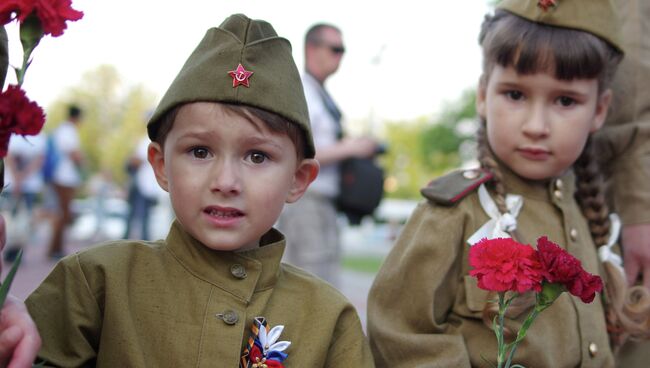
18	115
561	267
8	8
54	13
585	286
503	264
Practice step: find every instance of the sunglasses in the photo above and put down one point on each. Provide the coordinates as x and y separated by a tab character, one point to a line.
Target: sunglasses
335	49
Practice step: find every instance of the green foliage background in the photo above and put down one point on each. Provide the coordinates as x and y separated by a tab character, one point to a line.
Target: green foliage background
115	119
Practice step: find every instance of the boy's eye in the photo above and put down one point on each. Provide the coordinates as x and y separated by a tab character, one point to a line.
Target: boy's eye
566	101
200	152
514	95
257	157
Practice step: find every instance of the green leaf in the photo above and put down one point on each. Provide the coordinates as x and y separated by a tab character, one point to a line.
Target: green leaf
4	289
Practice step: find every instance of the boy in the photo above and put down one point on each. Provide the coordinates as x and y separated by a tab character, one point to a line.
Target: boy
231	144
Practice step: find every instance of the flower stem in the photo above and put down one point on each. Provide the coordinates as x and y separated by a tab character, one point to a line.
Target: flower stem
522	333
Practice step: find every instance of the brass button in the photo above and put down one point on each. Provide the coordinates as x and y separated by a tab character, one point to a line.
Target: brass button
593	349
573	233
471	174
228	317
559	184
238	271
558	194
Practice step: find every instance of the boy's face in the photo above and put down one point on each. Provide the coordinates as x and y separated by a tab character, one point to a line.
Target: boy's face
536	124
228	177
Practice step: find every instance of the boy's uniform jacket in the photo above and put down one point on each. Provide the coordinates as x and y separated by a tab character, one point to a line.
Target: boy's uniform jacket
176	303
424	309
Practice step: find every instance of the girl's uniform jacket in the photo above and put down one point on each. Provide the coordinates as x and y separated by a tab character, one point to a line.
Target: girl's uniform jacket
424	309
176	303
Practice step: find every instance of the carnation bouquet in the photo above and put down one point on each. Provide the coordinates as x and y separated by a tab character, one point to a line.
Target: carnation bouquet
18	114
503	265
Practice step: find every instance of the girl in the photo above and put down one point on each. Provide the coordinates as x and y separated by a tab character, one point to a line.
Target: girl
543	92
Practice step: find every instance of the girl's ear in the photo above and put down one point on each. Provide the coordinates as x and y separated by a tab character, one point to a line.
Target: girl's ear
602	107
480	97
156	157
305	173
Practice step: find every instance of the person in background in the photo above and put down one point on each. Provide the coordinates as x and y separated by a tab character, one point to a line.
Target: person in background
624	147
67	176
143	192
23	183
311	224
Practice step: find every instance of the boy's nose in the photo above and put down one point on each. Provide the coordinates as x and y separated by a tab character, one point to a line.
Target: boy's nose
537	124
226	178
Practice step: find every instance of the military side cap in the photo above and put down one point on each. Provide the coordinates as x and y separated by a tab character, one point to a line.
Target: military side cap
448	189
244	62
598	17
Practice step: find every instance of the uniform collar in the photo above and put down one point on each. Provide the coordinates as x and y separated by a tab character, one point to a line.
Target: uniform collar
543	190
239	273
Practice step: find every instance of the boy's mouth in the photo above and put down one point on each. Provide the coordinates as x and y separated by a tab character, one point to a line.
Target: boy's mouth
224	212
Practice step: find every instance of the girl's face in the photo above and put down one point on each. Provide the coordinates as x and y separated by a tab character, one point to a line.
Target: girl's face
536	124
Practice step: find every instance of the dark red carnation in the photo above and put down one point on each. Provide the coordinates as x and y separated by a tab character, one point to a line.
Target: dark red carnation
18	115
561	267
503	264
54	14
14	8
585	286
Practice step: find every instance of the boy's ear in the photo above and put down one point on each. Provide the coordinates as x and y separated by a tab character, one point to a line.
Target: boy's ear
602	107
305	173
480	97
156	157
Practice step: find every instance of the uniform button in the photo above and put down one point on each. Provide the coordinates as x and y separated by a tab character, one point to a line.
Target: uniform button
558	194
228	317
470	174
559	184
593	349
573	233
238	271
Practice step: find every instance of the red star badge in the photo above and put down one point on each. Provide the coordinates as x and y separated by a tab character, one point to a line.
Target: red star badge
240	76
545	4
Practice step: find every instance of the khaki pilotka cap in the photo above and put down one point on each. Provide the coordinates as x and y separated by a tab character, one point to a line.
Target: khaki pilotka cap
274	86
598	17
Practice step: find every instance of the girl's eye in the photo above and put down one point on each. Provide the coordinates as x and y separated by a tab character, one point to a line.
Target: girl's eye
200	152
257	157
515	95
566	101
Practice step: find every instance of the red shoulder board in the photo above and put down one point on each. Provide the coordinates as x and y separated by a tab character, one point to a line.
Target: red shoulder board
451	188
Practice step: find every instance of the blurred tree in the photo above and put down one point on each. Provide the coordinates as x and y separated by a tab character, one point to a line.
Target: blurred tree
424	149
114	118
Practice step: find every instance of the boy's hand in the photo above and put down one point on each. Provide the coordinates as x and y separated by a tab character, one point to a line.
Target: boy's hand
636	253
19	338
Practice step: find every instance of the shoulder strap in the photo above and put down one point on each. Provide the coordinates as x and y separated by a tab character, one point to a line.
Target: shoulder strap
448	189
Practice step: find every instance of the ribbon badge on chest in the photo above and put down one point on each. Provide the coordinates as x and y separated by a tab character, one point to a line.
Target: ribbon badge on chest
499	223
263	349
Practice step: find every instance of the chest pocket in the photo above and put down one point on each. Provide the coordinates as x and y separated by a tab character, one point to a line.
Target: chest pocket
475	298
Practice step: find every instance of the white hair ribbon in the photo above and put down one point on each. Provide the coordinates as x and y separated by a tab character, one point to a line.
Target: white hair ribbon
605	253
499	223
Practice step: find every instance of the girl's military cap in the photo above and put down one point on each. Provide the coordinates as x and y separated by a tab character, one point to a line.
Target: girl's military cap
598	17
244	62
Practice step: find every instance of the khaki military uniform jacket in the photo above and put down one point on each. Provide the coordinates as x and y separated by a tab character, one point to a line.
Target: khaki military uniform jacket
176	303
425	311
